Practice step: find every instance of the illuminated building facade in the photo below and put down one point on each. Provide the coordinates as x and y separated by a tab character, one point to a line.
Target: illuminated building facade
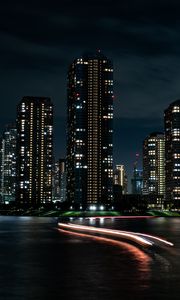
34	151
90	132
154	164
59	181
8	164
120	178
172	154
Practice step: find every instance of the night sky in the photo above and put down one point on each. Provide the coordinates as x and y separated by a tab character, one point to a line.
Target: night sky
39	40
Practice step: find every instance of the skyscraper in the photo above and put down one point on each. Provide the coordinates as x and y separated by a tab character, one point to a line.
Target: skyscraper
154	164
8	164
120	178
34	151
90	131
172	154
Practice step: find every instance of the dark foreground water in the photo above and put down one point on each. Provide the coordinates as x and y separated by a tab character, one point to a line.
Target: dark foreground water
39	262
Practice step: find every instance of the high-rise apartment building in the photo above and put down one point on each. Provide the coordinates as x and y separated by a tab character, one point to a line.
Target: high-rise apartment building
172	154
154	164
90	131
120	178
8	164
34	151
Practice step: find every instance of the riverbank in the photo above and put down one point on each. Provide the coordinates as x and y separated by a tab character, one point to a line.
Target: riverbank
58	213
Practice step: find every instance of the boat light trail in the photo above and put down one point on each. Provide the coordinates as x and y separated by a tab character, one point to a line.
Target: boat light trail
123	234
142	257
138	237
155	238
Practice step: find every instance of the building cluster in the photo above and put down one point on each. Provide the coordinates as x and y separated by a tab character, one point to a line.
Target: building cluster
86	179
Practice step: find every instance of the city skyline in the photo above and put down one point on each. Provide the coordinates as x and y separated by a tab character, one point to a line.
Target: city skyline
140	38
30	174
90	149
117	159
159	159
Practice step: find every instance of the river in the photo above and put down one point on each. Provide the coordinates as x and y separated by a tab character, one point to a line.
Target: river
39	262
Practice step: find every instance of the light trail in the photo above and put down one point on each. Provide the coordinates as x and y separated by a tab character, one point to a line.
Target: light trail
155	238
140	238
140	256
130	236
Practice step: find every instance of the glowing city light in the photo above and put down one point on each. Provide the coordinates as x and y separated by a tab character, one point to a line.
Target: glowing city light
142	257
101	207
127	235
140	238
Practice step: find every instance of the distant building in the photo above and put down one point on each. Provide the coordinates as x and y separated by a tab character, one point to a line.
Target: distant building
90	131
117	192
34	151
138	203
59	182
8	164
172	154
120	178
154	164
132	203
137	181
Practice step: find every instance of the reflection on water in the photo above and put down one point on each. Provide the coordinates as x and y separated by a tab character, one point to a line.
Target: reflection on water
37	261
134	253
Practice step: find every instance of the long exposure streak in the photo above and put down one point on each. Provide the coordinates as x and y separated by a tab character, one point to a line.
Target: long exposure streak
130	236
140	238
154	238
139	255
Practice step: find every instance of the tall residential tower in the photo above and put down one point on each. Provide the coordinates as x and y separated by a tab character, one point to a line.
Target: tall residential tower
90	131
8	164
172	154
34	151
154	164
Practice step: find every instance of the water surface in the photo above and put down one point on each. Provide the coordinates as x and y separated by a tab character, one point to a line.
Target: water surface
39	262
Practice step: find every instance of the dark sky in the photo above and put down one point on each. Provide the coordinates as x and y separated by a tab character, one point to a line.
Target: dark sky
39	39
